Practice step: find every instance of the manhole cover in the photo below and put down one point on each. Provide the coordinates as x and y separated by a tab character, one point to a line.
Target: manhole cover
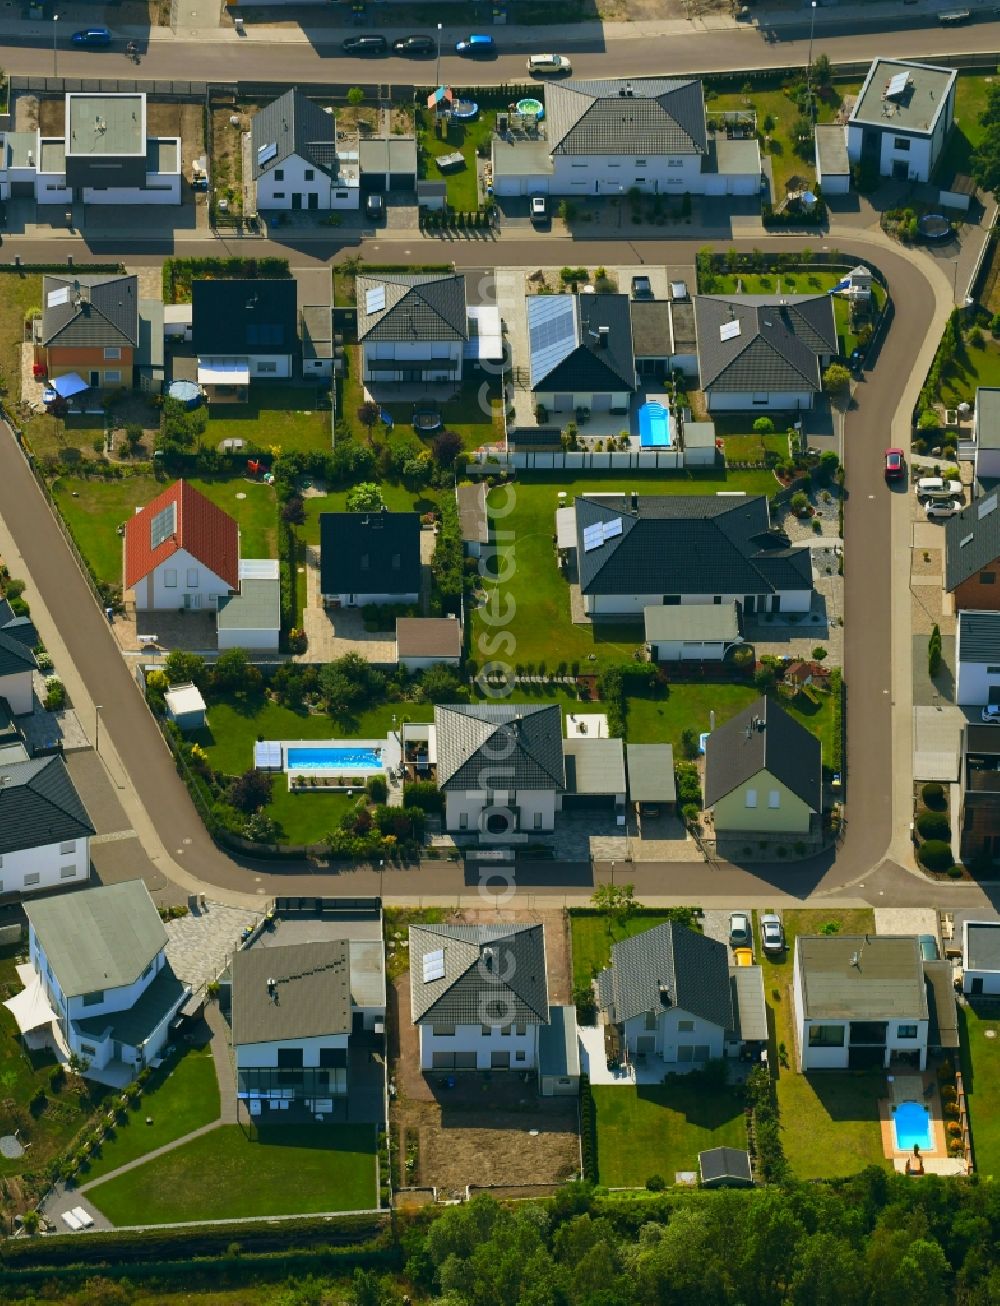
10	1147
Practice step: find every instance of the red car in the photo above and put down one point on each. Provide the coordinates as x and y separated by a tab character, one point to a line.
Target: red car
895	467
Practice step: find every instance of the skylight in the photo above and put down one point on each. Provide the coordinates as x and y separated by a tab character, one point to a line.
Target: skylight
729	330
57	297
433	965
163	525
375	299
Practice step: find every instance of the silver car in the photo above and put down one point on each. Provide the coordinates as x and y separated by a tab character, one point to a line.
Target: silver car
772	933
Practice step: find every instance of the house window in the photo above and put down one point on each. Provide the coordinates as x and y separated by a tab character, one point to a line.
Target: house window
88	1049
774	798
640	163
987	578
759	399
68	872
538	820
487	1030
750	798
442	1031
309	174
463	820
112	353
685	1027
33	877
340	194
650	1021
520	1055
112	374
68	847
993	671
93	999
826	1036
279	194
170	577
716	598
289	1058
333	1058
901	143
279	174
267	367
520	1029
192	578
505	1031
675	163
906	1031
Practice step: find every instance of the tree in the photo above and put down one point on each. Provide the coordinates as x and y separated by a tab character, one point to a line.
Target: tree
229	671
250	791
348	682
802	136
829	466
820	72
293	510
764	679
819	653
133	437
763	426
368	415
355	96
446	445
689	744
616	900
836	379
768	124
441	684
934	651
183	668
366	497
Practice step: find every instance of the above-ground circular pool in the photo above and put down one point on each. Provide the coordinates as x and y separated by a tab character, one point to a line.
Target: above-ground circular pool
530	108
464	110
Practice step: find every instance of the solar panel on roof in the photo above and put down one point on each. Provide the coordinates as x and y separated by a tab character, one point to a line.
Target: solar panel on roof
729	330
552	331
56	297
987	506
375	299
163	525
612	528
593	537
265	153
897	85
433	965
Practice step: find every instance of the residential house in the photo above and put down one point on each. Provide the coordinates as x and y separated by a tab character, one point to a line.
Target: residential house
44	827
244	330
692	632
473	517
500	766
861	1001
902	118
478	995
411	327
316	329
663	338
17	667
763	773
581	352
369	557
639	551
986	433
20	628
800	674
294	158
670	996
972	556
981	958
595	777
98	963
89	326
979	819
423	641
608	137
760	353
977	659
181	551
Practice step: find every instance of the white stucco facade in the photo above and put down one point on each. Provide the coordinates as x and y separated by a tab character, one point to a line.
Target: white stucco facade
30	870
179	582
974	682
765	401
470	810
979	979
629	605
418	360
478	1047
674	1036
16	689
264	1056
298	184
584	175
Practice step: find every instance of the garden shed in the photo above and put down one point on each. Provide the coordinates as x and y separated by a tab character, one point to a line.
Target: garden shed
185	707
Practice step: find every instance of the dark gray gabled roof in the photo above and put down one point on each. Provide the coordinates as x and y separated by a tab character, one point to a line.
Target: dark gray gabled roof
493	974
301	990
687	544
418	307
499	746
293	124
725	1165
648	115
369	552
668	965
15	656
580	343
39	805
972	540
80	311
979	637
764	737
778	345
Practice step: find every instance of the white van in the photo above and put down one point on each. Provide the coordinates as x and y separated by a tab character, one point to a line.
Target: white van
933	487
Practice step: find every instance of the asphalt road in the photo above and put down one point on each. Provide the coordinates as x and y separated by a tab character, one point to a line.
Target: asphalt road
256	58
860	861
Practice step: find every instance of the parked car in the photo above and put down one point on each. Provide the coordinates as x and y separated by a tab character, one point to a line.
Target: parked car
375	207
92	38
934	487
895	465
539	209
941	510
481	47
415	45
740	933
991	714
365	45
642	288
541	64
772	933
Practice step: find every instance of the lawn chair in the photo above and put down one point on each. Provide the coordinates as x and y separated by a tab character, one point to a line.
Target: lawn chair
69	1219
86	1220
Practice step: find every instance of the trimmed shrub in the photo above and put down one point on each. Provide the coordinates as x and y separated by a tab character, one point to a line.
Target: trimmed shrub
934	825
935	855
588	1131
933	795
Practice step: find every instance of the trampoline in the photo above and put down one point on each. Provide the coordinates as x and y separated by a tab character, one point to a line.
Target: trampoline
464	110
934	226
185	392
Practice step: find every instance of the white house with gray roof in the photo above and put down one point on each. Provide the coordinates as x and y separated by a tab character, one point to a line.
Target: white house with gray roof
605	137
977	659
98	962
411	327
478	995
294	158
761	352
986	432
981	958
902	118
45	829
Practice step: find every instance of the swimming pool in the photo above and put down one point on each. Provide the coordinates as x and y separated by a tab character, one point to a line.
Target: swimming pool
654	427
911	1124
333	758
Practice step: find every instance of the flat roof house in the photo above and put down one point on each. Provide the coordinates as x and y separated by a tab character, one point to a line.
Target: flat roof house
244	330
45	828
89	326
478	995
635	552
692	632
581	352
902	118
369	557
757	352
411	327
972	556
473	517
980	794
833	167
986	432
294	158
977	659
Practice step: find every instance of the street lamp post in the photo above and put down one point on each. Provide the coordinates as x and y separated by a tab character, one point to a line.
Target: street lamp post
437	66
55	45
97	727
812	29
612	875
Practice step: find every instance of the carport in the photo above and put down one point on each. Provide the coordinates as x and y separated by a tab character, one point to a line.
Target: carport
651	776
595	776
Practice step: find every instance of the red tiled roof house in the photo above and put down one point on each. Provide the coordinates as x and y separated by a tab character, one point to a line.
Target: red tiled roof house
181	551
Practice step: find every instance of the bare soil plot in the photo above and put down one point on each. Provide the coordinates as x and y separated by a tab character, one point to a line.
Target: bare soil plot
227	153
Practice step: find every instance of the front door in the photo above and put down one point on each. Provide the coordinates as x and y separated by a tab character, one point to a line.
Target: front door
749	605
192	601
296	199
313	200
95	380
977	986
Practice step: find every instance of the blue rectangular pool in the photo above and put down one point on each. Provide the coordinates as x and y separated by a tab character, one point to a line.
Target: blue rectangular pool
333	758
654	427
911	1123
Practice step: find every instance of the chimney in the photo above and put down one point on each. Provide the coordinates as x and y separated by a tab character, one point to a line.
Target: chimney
603	335
272	990
488	959
635	500
665	999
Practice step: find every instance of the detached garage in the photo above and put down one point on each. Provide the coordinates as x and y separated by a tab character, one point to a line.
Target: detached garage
388	164
691	632
252	618
833	168
559	1054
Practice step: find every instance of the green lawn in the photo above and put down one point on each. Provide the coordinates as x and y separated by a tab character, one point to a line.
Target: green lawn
465	415
94	510
538	594
970	370
283	1170
591	941
463	187
659	1130
981	1073
278	417
19	293
829	1120
970	101
397	498
179	1097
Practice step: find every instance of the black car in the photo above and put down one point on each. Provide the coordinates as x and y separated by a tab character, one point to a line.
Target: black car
365	45
375	207
414	45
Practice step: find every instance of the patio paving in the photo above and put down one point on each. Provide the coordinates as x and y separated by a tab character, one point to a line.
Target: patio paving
199	944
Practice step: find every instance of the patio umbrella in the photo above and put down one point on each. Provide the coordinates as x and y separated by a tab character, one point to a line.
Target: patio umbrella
69	385
443	94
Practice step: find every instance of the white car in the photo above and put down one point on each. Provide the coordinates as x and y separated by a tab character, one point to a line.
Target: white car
941	510
991	714
933	487
539	209
541	64
771	932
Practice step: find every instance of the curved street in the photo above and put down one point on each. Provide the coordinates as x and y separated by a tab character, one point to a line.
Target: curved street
877	670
